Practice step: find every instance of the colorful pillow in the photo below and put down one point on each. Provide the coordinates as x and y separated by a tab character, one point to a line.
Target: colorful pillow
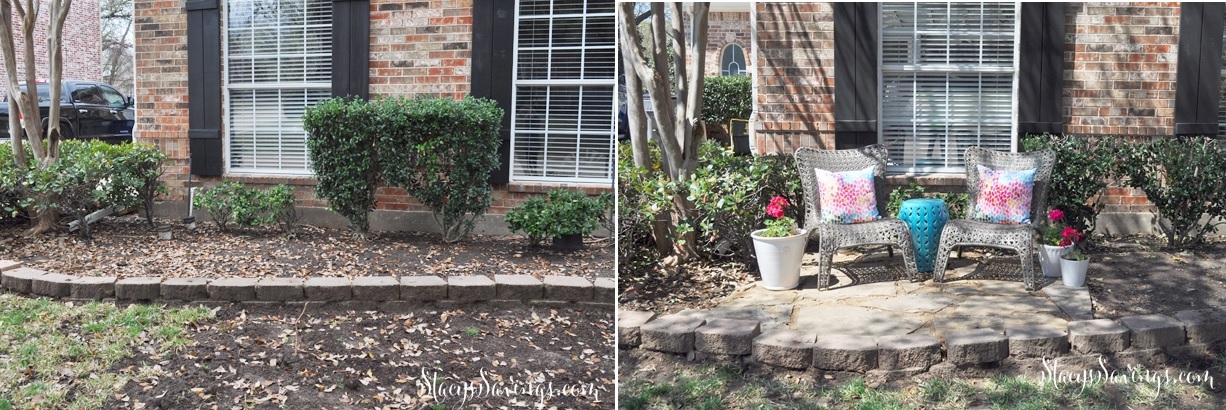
847	197
1004	196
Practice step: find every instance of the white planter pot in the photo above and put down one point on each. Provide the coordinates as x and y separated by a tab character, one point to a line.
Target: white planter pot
1049	259
779	259
1074	272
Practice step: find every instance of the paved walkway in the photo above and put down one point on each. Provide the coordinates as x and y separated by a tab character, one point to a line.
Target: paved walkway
870	295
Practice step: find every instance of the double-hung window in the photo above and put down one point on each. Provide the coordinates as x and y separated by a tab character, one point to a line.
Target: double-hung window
948	81
562	124
278	62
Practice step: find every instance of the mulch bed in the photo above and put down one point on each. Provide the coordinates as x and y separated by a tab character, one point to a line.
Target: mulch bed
127	247
1127	276
308	358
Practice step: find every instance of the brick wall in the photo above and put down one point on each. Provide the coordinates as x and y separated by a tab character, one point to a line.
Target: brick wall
82	49
795	76
726	28
420	47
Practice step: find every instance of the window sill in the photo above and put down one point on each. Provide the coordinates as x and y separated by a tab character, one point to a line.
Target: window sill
545	187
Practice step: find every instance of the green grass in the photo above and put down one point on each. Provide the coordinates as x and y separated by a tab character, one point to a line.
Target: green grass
472	331
61	355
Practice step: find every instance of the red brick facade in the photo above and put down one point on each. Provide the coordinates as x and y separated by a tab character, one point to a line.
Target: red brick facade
82	39
724	29
416	48
794	99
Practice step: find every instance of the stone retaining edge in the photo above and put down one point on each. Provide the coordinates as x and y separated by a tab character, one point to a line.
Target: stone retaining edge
16	278
1189	333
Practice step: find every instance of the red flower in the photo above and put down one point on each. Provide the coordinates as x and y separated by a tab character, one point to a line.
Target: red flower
1055	215
775	211
779	201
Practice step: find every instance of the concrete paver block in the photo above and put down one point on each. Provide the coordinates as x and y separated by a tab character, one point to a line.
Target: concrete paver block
279	289
1037	341
52	285
569	288
19	280
147	288
727	336
785	348
93	287
897	352
470	288
976	346
8	265
331	289
1097	336
518	287
672	333
605	290
852	353
1154	331
1204	326
376	288
628	324
232	289
189	289
422	288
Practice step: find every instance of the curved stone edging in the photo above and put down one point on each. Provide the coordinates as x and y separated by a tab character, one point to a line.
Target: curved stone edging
1189	333
18	279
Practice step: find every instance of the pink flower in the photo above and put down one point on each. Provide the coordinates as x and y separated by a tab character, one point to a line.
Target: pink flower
779	201
1055	215
774	210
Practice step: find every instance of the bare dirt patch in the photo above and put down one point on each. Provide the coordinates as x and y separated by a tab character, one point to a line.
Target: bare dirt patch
126	247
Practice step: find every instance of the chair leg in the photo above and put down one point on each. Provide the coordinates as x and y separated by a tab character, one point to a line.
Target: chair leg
824	259
890	249
1027	255
942	260
908	257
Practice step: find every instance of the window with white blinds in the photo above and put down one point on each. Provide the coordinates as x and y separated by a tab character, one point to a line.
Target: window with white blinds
278	62
947	82
1221	107
562	128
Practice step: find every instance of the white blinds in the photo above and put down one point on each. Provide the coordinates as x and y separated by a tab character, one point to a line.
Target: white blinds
562	128
1221	106
278	62
947	81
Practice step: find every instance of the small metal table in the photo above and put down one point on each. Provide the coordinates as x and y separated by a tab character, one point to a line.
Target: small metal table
926	217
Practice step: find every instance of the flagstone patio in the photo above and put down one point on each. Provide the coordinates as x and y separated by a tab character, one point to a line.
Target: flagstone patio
870	295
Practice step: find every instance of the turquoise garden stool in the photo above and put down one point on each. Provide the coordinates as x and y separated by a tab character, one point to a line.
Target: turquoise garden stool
926	217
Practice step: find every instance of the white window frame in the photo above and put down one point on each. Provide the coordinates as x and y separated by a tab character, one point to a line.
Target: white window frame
611	134
226	88
1013	139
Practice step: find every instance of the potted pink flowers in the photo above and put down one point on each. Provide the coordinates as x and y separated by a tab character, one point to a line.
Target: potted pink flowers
1055	240
779	248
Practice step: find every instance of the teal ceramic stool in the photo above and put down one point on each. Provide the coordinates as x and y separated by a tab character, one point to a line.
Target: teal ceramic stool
926	217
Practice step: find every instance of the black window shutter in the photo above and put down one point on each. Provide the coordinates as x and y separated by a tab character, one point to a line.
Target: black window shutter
1198	75
855	74
351	48
1040	65
204	87
493	55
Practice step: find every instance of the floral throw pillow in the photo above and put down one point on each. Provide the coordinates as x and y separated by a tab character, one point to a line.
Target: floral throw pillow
1004	196
847	197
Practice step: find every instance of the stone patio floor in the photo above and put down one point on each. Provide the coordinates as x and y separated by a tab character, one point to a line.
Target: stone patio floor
870	295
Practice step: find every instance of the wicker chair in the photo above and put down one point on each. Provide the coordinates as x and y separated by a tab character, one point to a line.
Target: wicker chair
1020	238
831	237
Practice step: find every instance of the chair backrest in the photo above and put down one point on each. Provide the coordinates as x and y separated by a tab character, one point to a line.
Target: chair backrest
808	159
1043	161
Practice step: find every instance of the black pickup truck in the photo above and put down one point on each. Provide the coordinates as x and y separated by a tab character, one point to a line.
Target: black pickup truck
88	110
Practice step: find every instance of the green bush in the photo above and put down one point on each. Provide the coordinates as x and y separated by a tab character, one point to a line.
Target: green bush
561	212
341	146
642	193
136	179
233	202
1185	179
442	152
11	182
75	185
955	203
1084	167
725	98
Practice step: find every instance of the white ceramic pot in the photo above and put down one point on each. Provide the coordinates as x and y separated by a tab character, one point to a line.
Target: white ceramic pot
1074	272
1049	259
779	259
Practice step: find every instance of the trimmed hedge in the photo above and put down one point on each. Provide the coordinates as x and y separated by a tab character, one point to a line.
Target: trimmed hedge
725	98
341	146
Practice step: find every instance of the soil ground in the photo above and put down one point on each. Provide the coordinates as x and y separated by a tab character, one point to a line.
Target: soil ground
127	247
1127	276
291	357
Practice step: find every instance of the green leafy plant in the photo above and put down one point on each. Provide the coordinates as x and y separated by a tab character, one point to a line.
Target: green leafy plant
725	98
232	202
342	134
1185	179
955	203
1084	167
561	212
442	152
1075	255
900	194
642	195
1056	233
76	185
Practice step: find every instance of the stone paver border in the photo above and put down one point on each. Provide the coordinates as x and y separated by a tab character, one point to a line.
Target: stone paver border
16	278
1186	333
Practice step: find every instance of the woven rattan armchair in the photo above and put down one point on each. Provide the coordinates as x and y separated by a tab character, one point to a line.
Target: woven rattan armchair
831	237
1020	238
